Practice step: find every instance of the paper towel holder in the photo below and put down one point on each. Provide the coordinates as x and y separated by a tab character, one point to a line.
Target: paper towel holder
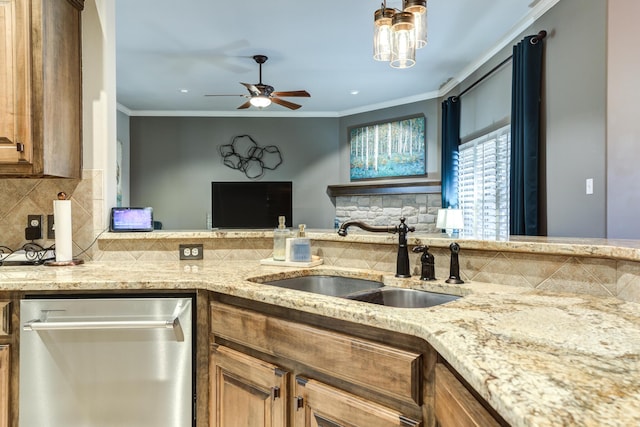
53	263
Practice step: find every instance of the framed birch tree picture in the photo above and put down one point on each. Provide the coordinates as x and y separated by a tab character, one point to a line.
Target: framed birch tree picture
390	149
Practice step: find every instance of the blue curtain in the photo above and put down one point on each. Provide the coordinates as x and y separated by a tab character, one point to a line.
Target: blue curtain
450	143
525	136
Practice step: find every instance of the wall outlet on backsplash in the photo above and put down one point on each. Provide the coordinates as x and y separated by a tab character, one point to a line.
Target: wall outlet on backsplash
34	227
191	252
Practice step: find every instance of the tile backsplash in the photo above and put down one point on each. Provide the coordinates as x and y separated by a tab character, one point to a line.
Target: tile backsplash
20	197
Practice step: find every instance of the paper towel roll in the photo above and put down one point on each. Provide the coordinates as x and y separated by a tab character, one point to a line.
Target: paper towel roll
62	223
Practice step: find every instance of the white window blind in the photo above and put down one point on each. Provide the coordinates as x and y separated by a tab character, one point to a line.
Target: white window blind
483	184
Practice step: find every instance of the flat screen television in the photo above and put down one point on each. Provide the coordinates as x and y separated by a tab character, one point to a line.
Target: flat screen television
251	204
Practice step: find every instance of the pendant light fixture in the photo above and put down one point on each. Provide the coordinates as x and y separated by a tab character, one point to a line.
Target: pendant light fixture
398	33
382	34
419	10
403	41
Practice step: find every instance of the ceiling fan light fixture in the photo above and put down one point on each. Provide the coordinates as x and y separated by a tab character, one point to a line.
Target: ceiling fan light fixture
419	10
403	44
382	34
260	101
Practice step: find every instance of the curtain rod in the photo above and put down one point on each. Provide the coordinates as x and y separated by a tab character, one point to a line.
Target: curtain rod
538	37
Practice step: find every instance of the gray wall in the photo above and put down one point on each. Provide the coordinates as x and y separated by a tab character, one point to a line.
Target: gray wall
174	160
574	119
623	125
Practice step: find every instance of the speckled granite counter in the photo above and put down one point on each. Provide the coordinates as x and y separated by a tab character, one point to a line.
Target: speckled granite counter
541	359
583	247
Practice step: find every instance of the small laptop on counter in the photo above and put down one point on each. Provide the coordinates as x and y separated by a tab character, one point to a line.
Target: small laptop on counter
131	219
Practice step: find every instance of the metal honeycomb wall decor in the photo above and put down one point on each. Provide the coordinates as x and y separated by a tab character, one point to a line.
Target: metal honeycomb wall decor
244	154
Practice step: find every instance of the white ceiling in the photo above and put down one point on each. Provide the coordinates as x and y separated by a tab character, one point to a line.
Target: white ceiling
324	47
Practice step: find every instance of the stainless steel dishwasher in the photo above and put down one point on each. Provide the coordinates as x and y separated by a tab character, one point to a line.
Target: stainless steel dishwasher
106	362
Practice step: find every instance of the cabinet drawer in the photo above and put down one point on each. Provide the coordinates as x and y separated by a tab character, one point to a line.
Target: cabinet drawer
317	404
455	405
5	318
385	369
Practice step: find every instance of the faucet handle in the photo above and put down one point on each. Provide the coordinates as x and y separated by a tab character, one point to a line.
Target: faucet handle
428	262
420	249
404	227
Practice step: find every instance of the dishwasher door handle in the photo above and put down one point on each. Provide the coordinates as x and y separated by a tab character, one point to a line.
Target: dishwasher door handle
38	325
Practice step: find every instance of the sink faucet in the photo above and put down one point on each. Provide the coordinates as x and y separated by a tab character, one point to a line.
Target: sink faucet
402	263
454	266
428	262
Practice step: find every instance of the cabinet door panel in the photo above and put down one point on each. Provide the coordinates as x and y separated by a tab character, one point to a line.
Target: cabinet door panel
246	391
5	318
4	385
320	405
455	406
14	80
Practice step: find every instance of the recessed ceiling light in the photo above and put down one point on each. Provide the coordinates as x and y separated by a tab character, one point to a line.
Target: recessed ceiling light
354	92
184	90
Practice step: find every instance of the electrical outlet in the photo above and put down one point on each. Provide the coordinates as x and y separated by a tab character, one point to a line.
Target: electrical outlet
34	221
34	227
51	230
191	251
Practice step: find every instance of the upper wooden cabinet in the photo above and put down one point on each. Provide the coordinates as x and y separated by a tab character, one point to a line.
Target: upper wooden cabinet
40	88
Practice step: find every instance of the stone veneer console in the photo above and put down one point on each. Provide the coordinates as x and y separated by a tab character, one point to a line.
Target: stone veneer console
585	266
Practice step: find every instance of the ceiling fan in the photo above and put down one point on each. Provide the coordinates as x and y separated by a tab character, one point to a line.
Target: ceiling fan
262	95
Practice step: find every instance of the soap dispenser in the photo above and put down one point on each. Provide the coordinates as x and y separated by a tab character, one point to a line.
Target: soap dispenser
280	236
301	246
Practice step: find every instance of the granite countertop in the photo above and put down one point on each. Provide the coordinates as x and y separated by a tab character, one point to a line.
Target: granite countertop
588	247
540	359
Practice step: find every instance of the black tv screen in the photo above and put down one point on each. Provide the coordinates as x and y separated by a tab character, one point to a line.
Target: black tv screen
251	204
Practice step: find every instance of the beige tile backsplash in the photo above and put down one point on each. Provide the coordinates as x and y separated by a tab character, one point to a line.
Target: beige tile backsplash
21	197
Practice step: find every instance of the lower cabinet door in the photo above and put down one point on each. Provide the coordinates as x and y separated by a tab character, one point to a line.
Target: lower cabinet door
245	391
320	405
455	406
4	385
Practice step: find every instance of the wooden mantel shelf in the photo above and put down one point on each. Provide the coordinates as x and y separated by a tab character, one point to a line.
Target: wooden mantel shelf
384	189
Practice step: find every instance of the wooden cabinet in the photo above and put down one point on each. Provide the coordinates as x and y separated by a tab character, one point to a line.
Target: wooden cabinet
5	318
455	405
4	385
246	391
7	347
14	81
336	379
40	88
319	405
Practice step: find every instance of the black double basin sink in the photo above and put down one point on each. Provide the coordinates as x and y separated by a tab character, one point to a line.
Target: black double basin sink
364	290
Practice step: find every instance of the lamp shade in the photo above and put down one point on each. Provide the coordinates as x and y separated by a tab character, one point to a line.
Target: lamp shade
419	10
260	101
382	34
403	45
450	219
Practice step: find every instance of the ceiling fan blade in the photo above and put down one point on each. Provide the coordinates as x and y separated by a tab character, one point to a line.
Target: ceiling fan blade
226	95
245	105
253	89
287	104
303	93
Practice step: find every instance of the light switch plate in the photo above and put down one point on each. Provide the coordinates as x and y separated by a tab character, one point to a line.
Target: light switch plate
589	186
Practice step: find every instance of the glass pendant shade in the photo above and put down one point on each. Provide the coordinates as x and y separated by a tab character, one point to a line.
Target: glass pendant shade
419	10
382	34
260	101
403	46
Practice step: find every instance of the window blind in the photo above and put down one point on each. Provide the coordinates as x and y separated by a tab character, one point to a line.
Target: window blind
483	184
